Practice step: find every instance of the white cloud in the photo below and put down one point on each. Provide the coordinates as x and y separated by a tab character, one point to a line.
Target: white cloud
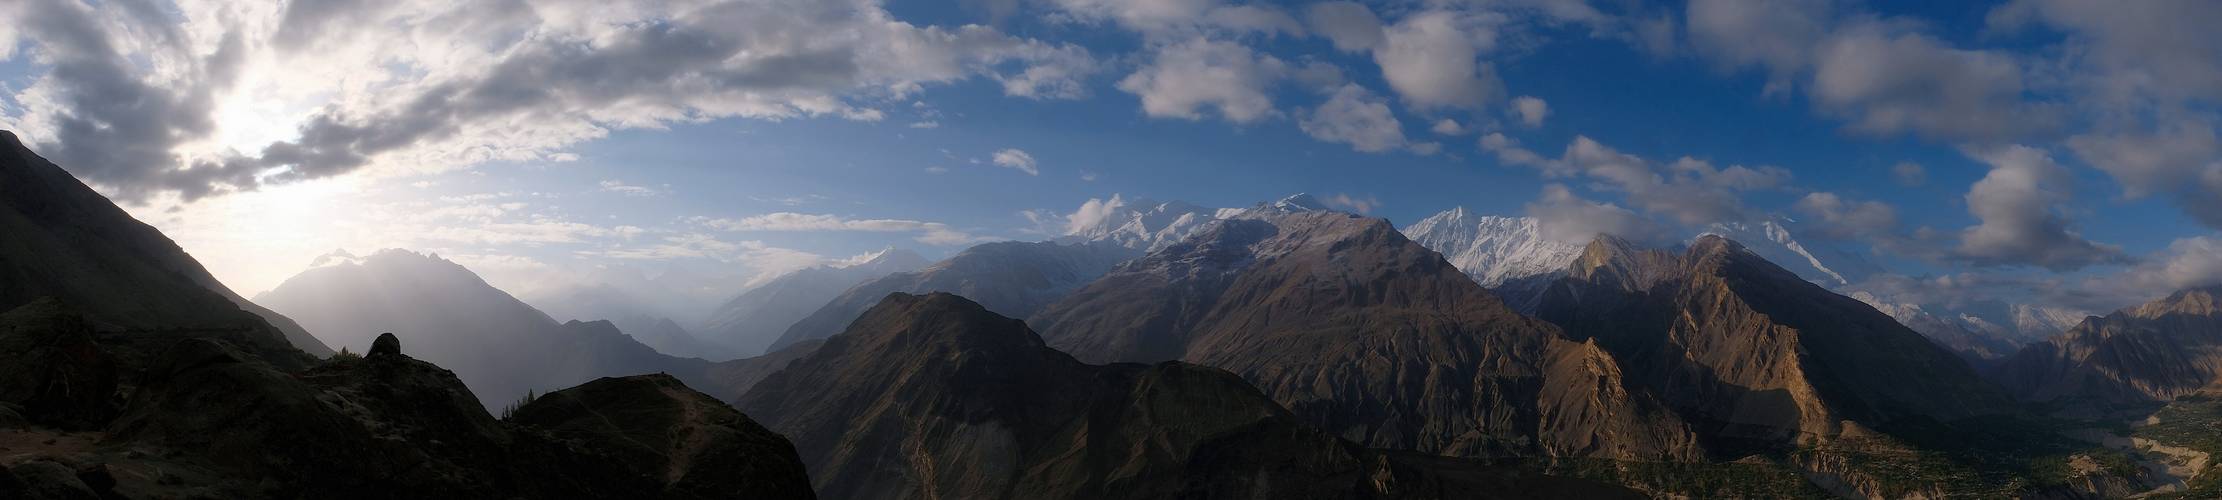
1356	117
1349	25
1363	205
1840	218
2182	160
1186	77
1888	82
931	233
620	187
1529	110
925	124
1564	217
1688	191
1432	60
1447	126
209	97
2017	204
1015	159
1909	174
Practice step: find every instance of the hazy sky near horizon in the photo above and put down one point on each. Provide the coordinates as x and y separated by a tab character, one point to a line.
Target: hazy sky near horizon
2051	151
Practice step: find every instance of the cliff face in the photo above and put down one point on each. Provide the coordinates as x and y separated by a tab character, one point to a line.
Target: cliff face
2155	352
1368	335
1751	354
952	401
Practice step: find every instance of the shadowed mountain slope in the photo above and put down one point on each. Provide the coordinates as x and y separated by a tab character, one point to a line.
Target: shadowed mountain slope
64	240
941	398
1754	355
2155	352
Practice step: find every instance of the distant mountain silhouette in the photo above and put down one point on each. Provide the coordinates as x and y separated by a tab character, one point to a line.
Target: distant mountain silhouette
497	344
1011	278
753	320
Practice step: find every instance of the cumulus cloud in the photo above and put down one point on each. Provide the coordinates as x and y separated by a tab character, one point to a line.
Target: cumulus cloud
931	233
1094	213
1885	81
1564	217
1841	218
1688	191
1529	110
1363	205
1447	126
2182	161
1909	174
2017	203
140	105
1432	59
1016	159
620	187
1187	77
1356	117
1349	25
1776	36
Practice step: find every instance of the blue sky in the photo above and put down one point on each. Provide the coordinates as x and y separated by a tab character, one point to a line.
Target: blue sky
642	142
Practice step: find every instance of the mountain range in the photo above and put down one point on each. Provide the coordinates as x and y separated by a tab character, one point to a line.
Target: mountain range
954	401
1010	277
123	374
1366	334
498	345
1282	350
750	322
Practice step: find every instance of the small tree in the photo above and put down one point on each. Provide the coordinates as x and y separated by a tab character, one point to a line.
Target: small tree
345	354
511	409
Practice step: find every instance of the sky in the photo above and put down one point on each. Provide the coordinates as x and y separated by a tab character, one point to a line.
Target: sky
2057	152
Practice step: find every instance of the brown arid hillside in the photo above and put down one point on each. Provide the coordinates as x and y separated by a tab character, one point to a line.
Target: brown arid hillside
1370	336
943	399
2152	353
1753	356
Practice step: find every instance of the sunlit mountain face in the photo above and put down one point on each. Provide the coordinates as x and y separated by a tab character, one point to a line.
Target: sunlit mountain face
1110	249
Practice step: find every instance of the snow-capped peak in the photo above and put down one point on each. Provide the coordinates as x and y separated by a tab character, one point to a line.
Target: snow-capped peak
1300	202
1492	249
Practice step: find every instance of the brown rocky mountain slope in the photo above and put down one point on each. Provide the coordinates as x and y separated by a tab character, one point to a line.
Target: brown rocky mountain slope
2155	352
1368	335
1752	355
936	397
